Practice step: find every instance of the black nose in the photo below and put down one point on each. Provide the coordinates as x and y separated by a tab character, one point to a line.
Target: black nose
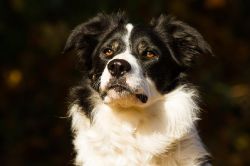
118	67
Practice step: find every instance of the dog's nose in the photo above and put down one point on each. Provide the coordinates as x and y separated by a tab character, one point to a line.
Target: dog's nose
118	67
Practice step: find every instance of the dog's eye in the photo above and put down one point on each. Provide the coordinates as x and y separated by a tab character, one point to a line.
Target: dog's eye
108	52
150	54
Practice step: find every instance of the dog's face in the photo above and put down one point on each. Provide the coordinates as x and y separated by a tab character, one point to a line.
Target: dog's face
134	65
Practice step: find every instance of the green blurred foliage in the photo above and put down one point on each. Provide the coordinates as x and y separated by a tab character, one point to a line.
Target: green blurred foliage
35	76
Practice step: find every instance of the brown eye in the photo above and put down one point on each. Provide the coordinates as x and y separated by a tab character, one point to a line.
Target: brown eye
108	52
150	54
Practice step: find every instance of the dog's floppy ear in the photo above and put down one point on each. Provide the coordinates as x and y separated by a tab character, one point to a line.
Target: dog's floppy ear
86	32
185	41
85	37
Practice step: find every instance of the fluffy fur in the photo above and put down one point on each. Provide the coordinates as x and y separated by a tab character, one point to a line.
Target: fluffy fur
135	107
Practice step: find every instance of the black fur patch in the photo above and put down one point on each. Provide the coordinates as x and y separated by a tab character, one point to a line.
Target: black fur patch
80	95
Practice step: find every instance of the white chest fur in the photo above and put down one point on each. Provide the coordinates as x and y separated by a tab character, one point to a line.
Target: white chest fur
140	137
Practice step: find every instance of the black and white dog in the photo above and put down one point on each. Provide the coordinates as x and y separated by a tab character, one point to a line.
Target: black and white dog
134	106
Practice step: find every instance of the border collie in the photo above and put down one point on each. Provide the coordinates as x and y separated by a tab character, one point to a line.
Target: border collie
134	106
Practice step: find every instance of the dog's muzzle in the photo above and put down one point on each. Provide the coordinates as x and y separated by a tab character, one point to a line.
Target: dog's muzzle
119	69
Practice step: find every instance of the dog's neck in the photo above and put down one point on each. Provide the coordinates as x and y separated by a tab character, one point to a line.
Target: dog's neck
149	131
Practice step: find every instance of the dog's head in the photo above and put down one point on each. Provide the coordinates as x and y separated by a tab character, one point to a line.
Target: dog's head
131	65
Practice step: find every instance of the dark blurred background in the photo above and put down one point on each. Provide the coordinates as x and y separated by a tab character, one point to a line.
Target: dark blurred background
35	76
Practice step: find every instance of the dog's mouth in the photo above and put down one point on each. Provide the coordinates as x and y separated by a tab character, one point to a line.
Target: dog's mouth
121	91
142	97
119	88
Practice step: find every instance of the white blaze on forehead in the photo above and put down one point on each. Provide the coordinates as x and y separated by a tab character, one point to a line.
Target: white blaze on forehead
126	55
129	28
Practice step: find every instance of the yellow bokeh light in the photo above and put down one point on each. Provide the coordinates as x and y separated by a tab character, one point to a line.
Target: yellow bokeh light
14	78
